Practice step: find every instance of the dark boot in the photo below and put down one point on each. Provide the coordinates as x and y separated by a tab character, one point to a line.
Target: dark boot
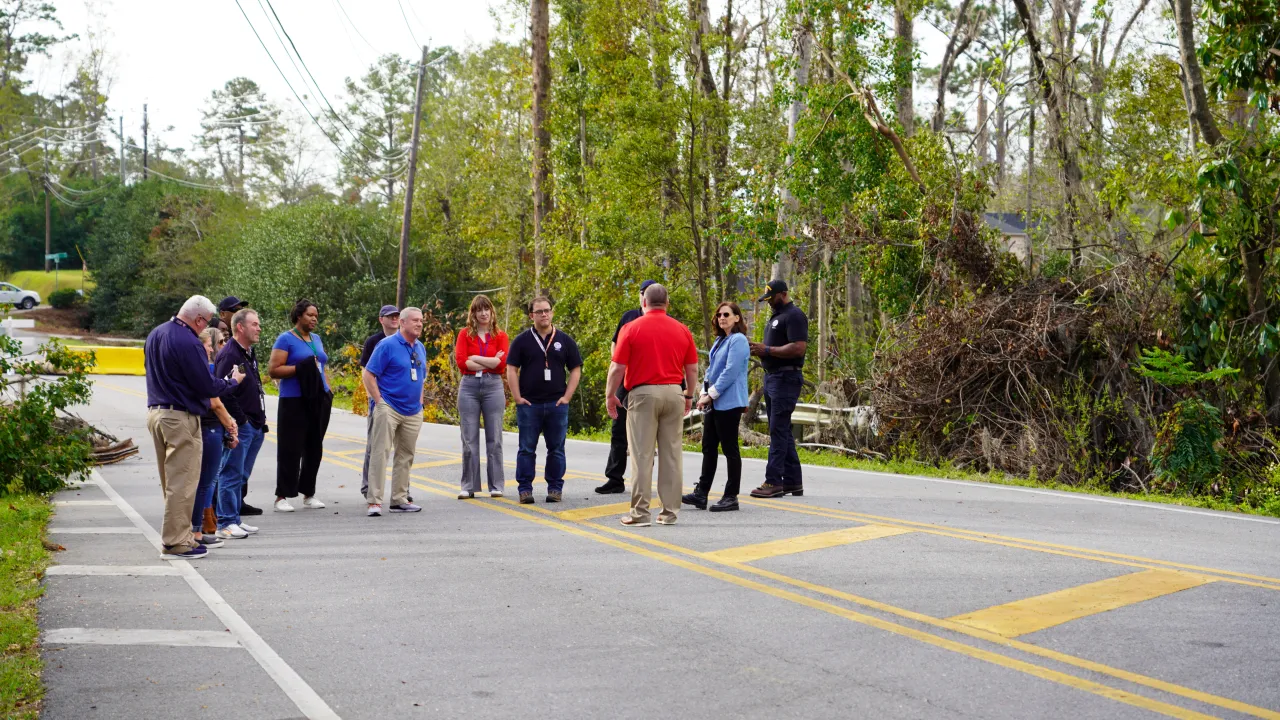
612	487
695	499
796	490
768	490
725	504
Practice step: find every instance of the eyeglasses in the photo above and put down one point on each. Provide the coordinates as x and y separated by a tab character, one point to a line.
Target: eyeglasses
724	314
546	311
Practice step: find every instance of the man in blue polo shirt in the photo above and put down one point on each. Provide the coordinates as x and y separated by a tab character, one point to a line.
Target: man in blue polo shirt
393	378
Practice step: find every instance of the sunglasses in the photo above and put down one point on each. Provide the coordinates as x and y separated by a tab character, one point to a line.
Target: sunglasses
725	314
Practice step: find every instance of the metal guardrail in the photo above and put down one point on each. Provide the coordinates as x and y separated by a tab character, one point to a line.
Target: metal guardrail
810	414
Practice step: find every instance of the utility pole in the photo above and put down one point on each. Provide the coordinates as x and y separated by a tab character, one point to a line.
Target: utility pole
48	235
402	278
122	178
144	141
1031	166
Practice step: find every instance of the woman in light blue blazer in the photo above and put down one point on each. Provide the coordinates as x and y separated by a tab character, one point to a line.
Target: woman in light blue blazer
724	397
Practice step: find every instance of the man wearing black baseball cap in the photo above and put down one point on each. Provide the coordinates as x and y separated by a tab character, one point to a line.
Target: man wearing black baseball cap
615	469
786	338
389	319
228	307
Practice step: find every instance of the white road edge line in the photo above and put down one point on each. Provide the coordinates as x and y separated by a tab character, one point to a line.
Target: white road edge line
302	695
105	530
112	570
118	636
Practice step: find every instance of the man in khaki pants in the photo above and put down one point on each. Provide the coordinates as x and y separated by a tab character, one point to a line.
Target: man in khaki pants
656	360
179	386
394	377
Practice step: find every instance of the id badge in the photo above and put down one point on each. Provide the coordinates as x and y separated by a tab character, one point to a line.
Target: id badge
479	373
413	374
546	374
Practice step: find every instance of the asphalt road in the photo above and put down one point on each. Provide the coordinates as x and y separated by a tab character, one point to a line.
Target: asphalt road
873	596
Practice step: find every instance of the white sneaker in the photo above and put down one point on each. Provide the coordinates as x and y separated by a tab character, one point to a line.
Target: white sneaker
375	511
250	529
312	503
231	532
495	493
464	495
282	505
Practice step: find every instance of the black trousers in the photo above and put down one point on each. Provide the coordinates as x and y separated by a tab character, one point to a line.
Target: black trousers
782	390
616	467
720	432
301	426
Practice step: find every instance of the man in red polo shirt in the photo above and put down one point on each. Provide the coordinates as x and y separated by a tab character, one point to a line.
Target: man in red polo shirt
652	356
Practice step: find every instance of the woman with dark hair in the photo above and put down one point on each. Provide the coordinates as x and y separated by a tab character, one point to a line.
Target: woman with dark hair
299	362
481	355
216	426
724	397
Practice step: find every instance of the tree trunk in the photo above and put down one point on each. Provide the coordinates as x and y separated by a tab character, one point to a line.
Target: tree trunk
782	267
904	52
1197	98
983	139
961	36
539	14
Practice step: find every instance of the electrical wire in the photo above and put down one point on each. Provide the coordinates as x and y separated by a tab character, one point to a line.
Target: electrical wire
407	25
353	27
190	183
316	84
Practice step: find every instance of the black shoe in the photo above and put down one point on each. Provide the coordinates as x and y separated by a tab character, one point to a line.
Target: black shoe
725	504
612	487
796	490
696	500
410	498
247	509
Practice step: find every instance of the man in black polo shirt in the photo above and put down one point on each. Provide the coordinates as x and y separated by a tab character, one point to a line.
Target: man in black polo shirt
248	407
543	370
389	319
786	338
615	469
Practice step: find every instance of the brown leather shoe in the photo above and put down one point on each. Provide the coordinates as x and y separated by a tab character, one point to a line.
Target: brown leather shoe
210	524
554	497
768	491
526	498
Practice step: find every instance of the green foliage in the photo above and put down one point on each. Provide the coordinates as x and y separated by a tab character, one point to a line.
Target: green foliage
22	562
64	298
36	454
1175	370
1185	451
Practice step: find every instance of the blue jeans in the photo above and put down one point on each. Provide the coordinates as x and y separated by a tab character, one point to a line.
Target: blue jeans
210	459
551	421
237	465
783	390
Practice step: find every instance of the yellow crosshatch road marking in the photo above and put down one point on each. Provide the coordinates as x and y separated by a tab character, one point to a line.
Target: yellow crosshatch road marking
583	530
817	541
1045	611
436	463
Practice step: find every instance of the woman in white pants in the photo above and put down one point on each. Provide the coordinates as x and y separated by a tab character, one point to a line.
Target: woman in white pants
481	355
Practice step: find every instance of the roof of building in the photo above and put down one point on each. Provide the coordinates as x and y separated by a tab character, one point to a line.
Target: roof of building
1008	223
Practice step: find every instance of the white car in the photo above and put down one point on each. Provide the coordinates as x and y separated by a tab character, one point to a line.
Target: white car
17	297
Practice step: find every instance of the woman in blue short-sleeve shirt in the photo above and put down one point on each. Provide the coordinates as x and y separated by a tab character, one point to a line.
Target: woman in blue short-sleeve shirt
301	421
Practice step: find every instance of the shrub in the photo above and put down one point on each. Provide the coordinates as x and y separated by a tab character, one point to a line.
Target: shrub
65	298
37	454
1186	445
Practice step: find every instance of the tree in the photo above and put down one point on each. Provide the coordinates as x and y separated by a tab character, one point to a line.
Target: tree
380	111
540	16
242	132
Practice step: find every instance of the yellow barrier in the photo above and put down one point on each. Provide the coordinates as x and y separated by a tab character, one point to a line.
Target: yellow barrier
116	360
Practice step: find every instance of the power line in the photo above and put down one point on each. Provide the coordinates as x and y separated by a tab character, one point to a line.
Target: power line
407	25
353	27
316	84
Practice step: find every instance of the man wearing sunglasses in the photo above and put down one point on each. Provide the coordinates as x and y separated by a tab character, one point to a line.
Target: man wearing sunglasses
179	386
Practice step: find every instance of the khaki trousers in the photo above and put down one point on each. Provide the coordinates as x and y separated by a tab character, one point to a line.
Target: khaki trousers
655	421
176	434
391	432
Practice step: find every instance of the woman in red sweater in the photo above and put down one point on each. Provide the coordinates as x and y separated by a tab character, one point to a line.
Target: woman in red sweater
481	355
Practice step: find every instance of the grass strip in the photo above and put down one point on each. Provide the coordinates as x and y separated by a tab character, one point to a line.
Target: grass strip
23	559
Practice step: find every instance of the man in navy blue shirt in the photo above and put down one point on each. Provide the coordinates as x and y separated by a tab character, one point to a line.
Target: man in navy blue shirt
394	378
615	468
179	385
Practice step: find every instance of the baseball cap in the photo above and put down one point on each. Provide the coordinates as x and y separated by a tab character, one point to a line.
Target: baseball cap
645	285
231	302
388	311
774	287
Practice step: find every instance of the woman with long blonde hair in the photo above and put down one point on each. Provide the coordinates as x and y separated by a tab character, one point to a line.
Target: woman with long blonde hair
481	355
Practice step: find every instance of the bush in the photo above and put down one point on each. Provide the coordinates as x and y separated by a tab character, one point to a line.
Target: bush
65	298
36	454
1186	445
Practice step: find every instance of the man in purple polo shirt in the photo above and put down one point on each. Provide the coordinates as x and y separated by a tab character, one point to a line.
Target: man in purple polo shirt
179	386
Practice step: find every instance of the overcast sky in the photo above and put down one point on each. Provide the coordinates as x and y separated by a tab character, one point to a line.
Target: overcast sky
171	54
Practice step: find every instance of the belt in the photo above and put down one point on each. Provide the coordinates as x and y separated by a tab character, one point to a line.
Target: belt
167	407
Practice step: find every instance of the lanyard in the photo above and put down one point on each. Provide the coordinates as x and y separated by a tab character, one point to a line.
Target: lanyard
546	357
310	343
413	356
484	345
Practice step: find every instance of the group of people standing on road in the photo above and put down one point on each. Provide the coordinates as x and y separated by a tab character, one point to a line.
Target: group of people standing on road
207	410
